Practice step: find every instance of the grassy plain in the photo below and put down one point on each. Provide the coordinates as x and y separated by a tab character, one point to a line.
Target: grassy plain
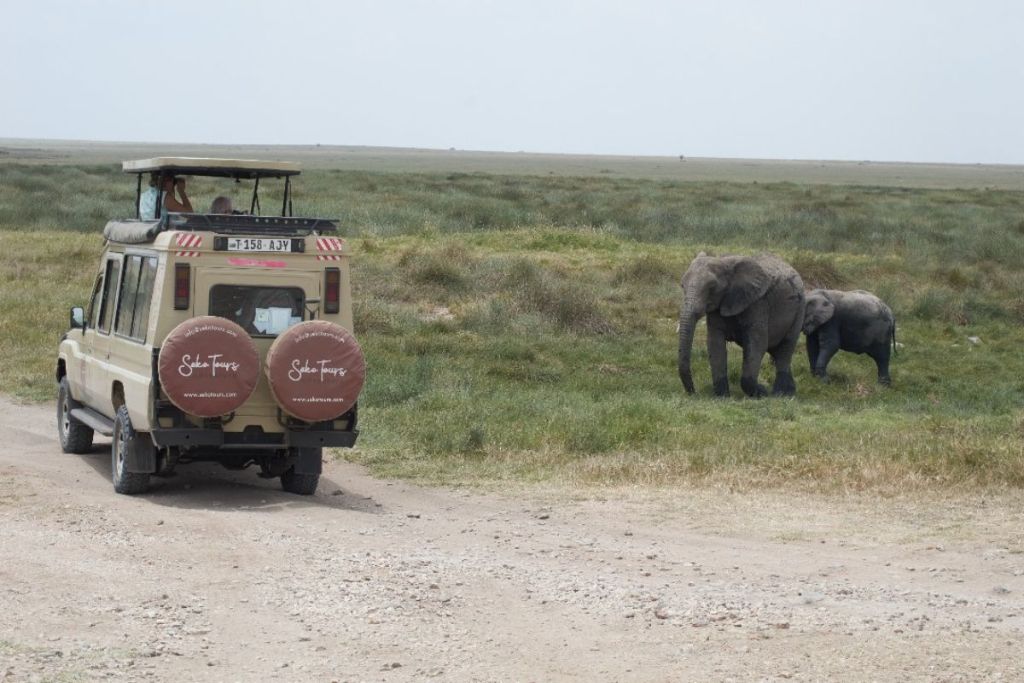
521	327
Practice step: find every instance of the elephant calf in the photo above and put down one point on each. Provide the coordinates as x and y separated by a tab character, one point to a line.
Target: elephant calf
754	301
856	321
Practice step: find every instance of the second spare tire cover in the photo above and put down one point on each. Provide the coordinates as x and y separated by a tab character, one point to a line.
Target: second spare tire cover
208	366
315	370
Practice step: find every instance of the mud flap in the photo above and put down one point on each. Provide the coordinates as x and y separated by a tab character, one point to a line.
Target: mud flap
140	454
309	460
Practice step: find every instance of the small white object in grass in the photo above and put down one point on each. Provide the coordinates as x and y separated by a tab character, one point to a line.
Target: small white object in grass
974	340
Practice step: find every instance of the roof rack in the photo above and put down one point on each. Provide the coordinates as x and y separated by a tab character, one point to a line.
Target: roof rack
141	232
238	224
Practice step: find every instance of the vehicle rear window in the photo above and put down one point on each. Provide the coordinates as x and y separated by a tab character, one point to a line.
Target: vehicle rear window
261	311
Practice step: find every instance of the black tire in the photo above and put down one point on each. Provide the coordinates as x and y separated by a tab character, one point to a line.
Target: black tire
129	483
301	484
74	436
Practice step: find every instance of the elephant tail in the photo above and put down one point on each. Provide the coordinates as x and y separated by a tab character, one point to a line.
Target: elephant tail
892	331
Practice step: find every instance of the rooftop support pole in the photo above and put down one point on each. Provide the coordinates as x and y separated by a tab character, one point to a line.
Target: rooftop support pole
158	209
138	197
255	197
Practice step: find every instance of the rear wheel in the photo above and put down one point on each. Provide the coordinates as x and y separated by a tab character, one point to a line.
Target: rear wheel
303	473
302	484
75	437
126	482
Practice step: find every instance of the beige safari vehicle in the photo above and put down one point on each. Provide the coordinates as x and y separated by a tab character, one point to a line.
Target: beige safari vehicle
214	337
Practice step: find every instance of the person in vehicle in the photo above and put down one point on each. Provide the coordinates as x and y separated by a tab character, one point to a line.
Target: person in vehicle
165	197
221	204
171	203
246	316
148	199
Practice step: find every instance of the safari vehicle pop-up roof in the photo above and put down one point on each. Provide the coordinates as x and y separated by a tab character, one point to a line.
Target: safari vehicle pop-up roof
238	169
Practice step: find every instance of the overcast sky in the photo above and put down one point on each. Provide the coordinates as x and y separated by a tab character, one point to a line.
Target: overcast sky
859	79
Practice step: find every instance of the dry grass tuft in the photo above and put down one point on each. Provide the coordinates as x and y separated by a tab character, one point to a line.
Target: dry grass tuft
818	271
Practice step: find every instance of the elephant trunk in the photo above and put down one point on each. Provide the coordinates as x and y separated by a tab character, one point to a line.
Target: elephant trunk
688	317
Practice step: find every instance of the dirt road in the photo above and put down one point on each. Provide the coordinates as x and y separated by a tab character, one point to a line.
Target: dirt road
219	575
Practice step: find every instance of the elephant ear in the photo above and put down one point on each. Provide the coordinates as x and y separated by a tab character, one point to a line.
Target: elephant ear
748	283
818	311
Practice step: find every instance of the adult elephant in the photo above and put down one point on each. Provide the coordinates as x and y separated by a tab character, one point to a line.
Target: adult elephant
755	301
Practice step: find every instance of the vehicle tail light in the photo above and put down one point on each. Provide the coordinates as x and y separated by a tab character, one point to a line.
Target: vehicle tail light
332	290
182	286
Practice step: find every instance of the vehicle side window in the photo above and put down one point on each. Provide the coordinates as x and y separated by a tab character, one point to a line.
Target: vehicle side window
126	302
146	278
133	304
109	292
94	301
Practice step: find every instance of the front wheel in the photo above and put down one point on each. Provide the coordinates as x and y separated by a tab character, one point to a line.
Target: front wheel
126	482
75	437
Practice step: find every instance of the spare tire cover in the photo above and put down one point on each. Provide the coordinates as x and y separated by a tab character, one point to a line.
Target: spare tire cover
208	366
315	370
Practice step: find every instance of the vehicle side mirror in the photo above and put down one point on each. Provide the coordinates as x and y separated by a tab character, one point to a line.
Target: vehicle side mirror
78	317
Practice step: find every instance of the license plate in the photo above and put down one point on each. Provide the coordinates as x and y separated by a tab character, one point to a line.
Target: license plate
259	244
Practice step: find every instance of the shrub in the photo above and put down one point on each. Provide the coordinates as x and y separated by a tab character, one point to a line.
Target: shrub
564	303
447	268
373	315
647	270
818	271
940	304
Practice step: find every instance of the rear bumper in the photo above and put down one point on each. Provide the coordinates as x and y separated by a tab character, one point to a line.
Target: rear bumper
313	439
295	434
216	438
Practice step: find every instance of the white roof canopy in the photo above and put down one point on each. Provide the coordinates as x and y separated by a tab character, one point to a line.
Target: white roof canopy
228	168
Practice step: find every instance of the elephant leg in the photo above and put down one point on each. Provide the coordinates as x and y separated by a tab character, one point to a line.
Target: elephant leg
784	385
812	350
752	356
828	346
880	353
718	357
782	354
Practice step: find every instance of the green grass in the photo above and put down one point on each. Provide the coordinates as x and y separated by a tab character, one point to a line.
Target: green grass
523	328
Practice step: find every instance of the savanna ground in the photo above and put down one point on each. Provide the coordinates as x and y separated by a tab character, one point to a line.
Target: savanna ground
519	324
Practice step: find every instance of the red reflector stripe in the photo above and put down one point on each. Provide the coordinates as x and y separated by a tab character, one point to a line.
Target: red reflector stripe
188	240
329	244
